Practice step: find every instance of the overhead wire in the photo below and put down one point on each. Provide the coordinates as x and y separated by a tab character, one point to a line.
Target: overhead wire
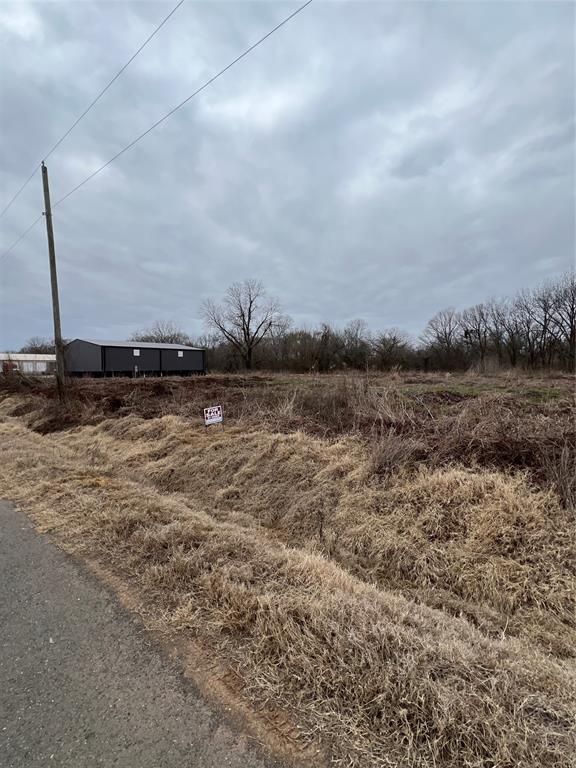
182	103
92	104
166	116
21	237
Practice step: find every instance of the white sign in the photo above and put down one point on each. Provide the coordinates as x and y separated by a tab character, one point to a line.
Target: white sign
213	415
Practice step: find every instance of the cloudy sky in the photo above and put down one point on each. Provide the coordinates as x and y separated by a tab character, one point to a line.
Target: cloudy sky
371	160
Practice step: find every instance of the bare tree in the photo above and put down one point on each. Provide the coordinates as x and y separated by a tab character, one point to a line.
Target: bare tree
329	348
442	336
496	333
534	329
245	317
564	316
476	328
356	341
530	332
162	332
37	345
538	307
506	329
296	350
390	348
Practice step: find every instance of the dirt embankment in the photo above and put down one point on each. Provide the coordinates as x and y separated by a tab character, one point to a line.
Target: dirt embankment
419	617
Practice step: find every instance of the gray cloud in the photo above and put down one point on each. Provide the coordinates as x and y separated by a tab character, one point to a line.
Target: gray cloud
423	160
370	160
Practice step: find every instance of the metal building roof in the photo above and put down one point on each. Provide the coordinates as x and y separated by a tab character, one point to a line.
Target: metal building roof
27	357
136	344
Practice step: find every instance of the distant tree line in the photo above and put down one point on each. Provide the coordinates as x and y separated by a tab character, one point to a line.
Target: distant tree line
38	345
533	330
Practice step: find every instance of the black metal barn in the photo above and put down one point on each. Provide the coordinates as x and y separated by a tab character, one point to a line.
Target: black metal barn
86	357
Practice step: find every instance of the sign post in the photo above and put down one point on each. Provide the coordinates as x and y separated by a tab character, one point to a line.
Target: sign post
213	415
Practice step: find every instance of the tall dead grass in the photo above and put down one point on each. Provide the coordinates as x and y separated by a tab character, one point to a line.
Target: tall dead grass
388	681
560	468
435	420
477	543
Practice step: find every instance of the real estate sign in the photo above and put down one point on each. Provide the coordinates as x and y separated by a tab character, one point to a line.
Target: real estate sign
213	415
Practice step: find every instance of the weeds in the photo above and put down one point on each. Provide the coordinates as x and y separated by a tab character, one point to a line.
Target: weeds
435	420
392	453
560	468
495	548
473	542
388	681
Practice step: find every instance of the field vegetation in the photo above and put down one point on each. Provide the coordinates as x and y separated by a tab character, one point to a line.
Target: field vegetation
390	559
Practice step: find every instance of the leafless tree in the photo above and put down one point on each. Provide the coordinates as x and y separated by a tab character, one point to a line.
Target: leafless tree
496	332
543	307
356	344
476	329
534	329
442	335
162	332
37	345
443	329
246	316
329	348
530	332
390	348
302	350
564	316
506	328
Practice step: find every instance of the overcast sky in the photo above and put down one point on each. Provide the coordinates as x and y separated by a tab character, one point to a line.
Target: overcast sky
370	160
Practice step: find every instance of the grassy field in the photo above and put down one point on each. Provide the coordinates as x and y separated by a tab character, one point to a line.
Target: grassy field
389	560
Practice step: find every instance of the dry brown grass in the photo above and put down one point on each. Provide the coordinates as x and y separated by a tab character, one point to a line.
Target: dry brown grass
560	468
289	555
474	542
501	422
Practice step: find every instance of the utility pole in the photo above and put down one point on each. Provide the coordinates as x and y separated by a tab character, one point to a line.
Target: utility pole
60	374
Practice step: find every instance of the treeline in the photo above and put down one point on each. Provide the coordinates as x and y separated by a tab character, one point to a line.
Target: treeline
532	330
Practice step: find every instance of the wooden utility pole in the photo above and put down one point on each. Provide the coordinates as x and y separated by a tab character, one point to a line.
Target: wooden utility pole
60	373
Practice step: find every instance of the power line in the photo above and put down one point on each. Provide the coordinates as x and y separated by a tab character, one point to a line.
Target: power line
182	103
92	104
167	115
22	188
22	236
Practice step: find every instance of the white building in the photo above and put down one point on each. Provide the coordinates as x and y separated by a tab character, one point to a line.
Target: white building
26	363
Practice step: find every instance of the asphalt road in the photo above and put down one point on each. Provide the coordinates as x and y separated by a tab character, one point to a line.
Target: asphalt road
82	685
